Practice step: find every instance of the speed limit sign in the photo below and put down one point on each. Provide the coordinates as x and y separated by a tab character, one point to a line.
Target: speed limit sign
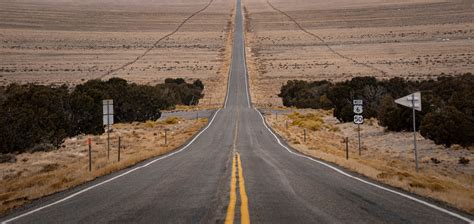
358	119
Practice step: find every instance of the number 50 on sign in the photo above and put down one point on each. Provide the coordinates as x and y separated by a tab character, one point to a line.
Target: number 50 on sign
358	119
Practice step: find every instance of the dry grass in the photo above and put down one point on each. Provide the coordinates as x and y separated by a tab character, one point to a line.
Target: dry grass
411	39
44	173
95	37
386	157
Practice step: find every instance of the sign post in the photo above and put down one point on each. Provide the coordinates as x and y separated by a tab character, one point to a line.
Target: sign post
108	120
413	101
358	118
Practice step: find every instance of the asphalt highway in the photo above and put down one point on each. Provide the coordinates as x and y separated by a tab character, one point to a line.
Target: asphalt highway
235	170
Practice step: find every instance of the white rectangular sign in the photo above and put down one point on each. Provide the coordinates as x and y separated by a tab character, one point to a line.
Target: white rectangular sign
357	102
108	112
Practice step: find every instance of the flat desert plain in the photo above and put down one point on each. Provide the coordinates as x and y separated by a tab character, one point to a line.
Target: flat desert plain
341	39
69	42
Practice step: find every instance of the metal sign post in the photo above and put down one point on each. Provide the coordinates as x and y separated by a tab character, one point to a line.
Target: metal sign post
108	120
358	118
413	101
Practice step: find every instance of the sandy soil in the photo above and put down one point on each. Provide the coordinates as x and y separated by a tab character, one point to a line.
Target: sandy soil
385	156
342	39
69	42
42	173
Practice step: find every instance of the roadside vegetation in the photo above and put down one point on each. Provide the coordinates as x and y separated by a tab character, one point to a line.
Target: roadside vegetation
34	175
448	104
445	174
44	132
39	118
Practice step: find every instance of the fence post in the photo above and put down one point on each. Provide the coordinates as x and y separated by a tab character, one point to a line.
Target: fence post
304	135
119	145
90	154
347	147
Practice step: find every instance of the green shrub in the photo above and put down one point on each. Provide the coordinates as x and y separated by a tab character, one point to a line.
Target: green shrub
447	98
33	116
448	126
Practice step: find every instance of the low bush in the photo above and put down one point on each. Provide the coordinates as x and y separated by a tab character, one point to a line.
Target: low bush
34	116
463	160
448	103
309	121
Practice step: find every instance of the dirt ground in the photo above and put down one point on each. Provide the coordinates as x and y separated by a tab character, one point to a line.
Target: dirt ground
69	42
387	157
37	174
413	39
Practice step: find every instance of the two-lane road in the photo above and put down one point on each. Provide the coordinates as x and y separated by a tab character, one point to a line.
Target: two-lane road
236	157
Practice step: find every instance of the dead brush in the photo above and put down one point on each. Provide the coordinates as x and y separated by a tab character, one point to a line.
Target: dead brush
66	171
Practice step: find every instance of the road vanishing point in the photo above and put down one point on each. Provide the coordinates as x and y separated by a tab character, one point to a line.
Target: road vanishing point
236	170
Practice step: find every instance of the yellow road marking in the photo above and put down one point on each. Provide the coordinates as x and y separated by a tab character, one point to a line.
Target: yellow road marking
229	219
244	207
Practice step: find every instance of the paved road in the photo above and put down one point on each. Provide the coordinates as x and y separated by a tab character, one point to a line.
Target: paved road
188	114
235	170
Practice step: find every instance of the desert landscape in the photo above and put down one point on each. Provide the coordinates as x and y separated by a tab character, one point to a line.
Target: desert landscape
59	42
62	42
385	156
37	174
338	40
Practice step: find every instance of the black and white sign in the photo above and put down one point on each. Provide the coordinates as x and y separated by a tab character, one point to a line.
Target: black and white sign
357	102
358	119
358	109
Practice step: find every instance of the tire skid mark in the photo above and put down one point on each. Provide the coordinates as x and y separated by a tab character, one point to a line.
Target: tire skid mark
157	42
324	42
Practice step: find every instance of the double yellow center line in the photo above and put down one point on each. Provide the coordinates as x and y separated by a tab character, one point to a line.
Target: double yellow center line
244	201
244	205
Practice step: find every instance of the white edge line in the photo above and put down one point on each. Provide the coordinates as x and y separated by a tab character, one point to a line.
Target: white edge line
230	69
246	75
364	181
113	178
342	172
228	78
244	55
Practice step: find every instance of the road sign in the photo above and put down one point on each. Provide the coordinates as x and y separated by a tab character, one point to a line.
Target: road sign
108	120
108	112
357	102
358	109
358	119
411	100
